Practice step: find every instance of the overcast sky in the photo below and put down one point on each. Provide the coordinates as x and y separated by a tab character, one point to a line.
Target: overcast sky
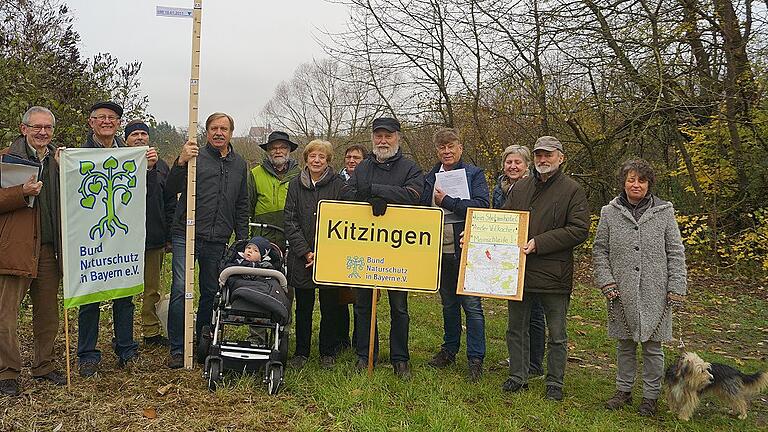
248	47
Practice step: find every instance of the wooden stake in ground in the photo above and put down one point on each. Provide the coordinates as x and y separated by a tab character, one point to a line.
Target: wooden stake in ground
372	332
189	277
66	347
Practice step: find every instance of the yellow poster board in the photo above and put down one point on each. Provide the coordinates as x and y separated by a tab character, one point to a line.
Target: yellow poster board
492	260
400	250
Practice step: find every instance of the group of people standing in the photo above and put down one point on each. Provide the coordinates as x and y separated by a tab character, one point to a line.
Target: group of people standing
638	255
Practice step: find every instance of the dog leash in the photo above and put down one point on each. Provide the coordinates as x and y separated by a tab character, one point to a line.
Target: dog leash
619	315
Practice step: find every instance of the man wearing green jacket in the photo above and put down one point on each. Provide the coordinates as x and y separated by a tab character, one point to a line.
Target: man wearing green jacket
268	185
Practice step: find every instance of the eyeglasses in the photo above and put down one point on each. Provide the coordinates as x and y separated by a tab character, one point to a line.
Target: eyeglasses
38	128
103	117
451	147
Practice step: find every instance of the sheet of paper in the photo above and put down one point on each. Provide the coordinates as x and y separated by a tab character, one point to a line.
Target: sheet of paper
454	184
14	174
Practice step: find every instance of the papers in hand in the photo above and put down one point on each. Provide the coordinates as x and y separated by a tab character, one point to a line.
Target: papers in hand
15	171
454	184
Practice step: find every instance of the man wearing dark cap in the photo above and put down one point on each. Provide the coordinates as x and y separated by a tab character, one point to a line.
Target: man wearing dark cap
558	222
385	177
221	208
160	208
268	184
104	120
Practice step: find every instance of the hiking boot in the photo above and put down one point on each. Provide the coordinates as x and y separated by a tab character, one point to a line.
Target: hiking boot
88	369
124	363
619	400
297	362
442	359
647	408
327	362
9	387
402	370
475	369
54	377
510	385
554	393
156	341
176	361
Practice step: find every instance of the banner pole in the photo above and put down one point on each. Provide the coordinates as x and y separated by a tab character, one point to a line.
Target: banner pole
189	278
372	331
66	347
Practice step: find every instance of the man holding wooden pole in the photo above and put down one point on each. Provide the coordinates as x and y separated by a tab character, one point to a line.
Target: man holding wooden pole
221	207
385	177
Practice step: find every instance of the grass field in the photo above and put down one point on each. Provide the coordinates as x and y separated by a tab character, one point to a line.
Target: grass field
725	320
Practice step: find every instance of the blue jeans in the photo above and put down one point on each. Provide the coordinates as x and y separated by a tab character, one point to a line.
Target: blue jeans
208	256
452	305
88	331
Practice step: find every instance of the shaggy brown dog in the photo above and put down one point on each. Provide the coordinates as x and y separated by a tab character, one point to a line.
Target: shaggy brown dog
690	376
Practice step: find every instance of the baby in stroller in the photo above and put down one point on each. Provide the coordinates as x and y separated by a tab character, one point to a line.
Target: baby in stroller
251	293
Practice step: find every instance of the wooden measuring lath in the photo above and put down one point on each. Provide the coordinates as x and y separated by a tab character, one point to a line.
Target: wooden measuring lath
189	277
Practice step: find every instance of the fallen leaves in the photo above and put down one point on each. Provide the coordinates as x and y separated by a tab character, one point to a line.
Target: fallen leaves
150	413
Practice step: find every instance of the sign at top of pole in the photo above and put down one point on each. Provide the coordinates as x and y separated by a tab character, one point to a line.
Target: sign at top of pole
173	12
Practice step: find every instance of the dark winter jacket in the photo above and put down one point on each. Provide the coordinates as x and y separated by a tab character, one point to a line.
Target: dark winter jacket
91	142
398	180
478	192
160	206
559	221
300	219
221	205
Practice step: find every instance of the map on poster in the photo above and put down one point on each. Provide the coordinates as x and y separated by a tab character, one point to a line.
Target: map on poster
492	261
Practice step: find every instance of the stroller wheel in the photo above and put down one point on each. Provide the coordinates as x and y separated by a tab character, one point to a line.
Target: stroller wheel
204	344
274	378
214	373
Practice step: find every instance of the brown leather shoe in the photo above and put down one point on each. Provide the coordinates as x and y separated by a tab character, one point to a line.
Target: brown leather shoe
619	400
647	408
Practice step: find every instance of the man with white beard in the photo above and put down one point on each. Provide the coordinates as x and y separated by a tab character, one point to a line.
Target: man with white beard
558	222
268	185
385	177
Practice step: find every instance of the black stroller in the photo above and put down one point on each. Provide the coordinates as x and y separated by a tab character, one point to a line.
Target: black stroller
255	297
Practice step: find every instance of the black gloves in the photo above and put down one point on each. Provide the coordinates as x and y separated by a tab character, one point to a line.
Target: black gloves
379	205
363	192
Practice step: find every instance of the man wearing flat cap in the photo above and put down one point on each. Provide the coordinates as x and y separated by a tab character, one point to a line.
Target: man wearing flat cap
558	222
104	121
268	184
385	177
160	209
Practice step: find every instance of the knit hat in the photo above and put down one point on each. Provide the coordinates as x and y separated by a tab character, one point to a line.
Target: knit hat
262	244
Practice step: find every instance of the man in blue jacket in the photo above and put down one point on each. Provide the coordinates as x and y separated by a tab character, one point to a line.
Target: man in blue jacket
449	151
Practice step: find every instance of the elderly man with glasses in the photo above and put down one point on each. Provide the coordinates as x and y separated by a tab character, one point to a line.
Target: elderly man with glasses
29	215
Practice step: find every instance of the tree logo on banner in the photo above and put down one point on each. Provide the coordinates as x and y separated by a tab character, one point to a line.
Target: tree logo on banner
355	263
107	183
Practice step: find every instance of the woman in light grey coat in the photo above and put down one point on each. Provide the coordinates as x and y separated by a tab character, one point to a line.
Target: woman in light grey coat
639	264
